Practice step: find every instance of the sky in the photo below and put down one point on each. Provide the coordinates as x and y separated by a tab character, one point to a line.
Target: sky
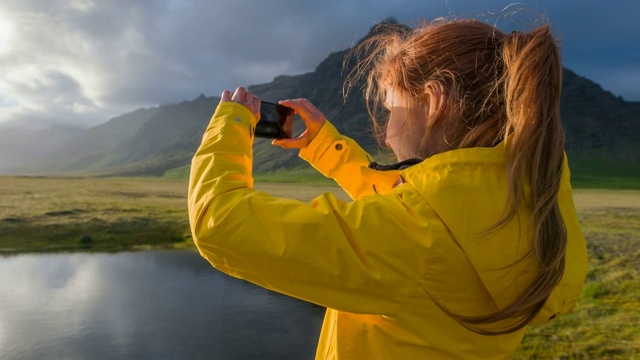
83	62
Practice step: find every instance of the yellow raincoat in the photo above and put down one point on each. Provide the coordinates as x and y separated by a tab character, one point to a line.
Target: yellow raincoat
381	263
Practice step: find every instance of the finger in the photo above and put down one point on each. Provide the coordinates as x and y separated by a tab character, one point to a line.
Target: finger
252	103
280	142
239	95
256	107
249	100
287	143
226	96
297	143
304	108
301	103
295	104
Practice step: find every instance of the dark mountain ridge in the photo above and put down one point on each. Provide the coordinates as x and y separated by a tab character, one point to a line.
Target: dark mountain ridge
600	129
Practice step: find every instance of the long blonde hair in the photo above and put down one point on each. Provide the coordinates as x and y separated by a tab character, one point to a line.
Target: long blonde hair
496	86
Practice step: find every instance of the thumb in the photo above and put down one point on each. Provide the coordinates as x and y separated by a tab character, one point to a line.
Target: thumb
297	143
284	143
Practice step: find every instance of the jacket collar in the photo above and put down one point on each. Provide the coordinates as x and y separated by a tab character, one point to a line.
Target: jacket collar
397	166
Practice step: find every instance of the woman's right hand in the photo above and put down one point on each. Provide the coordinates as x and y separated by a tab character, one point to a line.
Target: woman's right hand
244	97
313	120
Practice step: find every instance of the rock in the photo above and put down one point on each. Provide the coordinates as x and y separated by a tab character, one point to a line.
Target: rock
86	239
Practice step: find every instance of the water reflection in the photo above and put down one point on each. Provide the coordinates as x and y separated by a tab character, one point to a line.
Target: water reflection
147	305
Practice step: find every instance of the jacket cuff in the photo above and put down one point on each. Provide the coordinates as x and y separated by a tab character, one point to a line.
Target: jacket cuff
233	114
233	111
324	152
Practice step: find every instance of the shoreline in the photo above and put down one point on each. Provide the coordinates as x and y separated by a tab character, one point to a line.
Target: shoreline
51	215
7	252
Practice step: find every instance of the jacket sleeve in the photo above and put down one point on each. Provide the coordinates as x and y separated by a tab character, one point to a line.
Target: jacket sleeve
357	257
340	158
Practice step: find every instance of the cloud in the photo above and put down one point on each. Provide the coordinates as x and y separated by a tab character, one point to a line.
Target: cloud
84	61
41	95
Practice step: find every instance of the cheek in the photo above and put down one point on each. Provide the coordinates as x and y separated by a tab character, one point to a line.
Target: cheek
394	124
394	133
388	140
391	130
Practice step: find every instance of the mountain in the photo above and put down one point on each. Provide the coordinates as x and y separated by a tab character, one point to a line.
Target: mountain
600	129
93	148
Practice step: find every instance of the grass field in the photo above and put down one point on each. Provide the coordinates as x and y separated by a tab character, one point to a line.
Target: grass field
55	214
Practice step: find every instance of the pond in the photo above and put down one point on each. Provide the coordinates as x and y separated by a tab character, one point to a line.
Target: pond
145	305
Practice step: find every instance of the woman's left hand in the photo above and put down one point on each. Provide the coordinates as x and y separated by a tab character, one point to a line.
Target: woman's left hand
244	97
313	120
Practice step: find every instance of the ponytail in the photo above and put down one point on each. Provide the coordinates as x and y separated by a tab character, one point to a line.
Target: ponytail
531	84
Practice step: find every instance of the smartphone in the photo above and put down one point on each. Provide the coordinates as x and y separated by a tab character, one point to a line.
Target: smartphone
276	121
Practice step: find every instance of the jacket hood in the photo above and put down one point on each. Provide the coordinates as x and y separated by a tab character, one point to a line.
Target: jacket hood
467	188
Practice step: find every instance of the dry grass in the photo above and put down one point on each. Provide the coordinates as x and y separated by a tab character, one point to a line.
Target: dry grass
605	322
54	214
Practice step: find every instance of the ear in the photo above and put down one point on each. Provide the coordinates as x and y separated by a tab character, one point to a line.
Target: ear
434	92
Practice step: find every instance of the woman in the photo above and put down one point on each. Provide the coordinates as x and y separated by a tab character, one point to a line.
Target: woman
451	253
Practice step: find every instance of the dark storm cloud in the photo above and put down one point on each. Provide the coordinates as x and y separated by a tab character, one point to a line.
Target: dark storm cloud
103	58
